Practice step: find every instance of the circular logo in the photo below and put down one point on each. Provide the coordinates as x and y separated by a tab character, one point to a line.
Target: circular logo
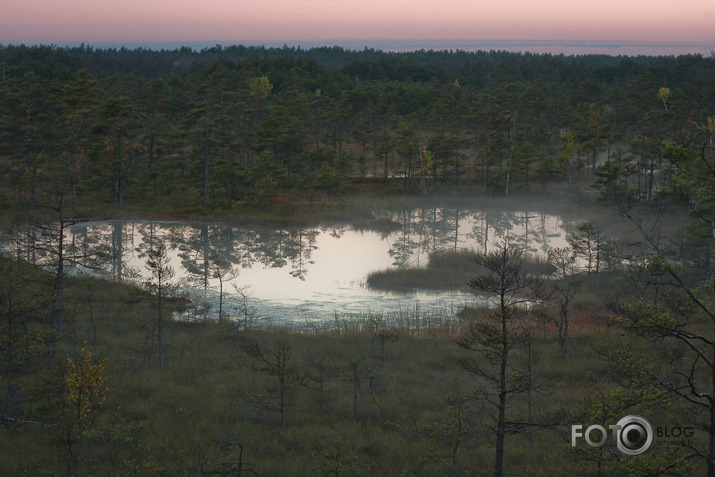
634	435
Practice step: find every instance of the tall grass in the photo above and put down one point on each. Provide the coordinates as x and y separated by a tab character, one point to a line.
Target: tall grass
360	404
445	270
412	321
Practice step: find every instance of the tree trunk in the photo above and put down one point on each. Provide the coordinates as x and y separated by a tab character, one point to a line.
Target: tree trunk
486	153
456	171
159	330
59	307
220	299
356	385
205	192
593	158
206	257
565	341
9	362
711	453
118	251
117	186
283	418
501	422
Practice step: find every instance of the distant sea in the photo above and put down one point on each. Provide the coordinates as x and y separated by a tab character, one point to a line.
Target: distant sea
556	47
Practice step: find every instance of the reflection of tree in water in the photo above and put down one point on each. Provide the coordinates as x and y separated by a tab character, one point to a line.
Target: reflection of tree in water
480	230
334	231
194	247
148	234
503	224
240	243
269	248
440	229
299	248
402	249
533	232
569	224
89	247
453	219
245	246
118	250
225	248
489	226
233	245
423	230
525	241
106	247
427	230
545	236
277	248
205	248
80	242
422	233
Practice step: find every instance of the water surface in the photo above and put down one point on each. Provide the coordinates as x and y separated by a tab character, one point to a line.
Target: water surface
317	273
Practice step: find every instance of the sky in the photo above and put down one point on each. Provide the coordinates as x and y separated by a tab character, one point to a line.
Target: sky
335	21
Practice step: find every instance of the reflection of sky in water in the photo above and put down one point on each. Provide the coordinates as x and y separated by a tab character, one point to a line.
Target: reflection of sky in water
316	273
337	263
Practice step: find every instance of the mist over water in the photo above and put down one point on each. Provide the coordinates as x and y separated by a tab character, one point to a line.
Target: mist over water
316	273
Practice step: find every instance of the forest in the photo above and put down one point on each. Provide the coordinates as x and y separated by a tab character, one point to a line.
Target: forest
240	126
99	377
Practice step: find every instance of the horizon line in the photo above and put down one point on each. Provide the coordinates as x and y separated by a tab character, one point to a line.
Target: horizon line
558	46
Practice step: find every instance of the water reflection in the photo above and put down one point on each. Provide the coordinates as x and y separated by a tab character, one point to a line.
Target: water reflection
428	230
314	273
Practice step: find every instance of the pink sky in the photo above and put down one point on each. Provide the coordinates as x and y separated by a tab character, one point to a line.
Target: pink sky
245	21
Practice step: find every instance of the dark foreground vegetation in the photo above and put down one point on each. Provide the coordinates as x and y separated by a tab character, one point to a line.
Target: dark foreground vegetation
98	378
370	396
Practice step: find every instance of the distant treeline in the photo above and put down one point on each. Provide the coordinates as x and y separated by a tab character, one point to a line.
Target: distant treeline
419	65
241	124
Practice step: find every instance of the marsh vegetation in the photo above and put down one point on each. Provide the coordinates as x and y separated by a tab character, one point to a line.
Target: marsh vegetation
254	261
372	395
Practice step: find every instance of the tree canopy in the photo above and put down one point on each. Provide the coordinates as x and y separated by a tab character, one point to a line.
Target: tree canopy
239	124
